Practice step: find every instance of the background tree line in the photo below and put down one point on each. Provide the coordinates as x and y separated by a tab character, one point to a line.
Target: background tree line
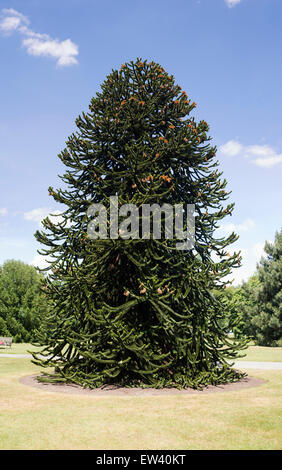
22	304
254	307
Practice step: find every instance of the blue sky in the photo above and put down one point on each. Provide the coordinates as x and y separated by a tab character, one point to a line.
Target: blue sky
226	54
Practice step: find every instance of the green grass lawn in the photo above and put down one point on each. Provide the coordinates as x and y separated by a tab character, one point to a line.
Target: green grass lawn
18	348
262	353
36	419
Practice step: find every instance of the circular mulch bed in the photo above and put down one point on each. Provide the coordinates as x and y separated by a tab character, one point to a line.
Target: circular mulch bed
108	390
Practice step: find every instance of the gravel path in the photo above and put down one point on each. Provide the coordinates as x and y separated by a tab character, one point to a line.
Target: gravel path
15	355
258	365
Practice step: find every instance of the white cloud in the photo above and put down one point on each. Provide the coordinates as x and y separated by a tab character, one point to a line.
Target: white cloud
12	20
36	44
267	155
231	148
250	259
9	24
244	272
244	227
3	211
248	266
259	150
40	261
232	3
258	250
261	155
64	51
269	161
37	215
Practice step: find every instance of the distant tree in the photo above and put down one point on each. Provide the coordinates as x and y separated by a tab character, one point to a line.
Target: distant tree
258	302
3	328
21	301
267	322
245	301
231	300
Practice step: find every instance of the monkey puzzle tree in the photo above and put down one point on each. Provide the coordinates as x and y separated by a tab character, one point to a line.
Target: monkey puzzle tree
133	310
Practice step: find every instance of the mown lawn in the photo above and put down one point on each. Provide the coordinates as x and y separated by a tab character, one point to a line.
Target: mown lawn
36	419
18	348
262	353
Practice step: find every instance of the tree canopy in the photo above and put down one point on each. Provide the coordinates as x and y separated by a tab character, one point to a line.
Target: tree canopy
133	310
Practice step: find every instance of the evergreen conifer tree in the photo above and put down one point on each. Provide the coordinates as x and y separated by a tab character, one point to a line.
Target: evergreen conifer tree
267	311
138	311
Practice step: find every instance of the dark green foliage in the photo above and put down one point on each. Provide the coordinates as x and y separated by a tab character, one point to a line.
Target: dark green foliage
21	301
138	311
258	302
245	301
265	314
3	328
233	303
